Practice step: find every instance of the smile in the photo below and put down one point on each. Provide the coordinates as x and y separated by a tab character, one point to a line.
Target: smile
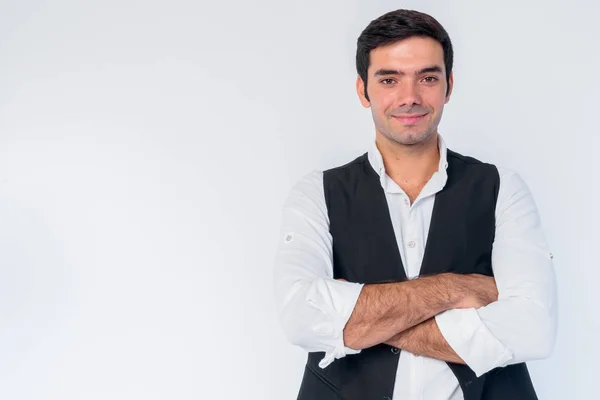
410	119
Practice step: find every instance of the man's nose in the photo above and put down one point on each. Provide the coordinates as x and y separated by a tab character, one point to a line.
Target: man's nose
409	94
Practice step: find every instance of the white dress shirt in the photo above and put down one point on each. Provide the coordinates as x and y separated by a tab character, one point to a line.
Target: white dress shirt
314	308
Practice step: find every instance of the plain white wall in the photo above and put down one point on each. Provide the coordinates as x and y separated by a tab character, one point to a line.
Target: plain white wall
146	149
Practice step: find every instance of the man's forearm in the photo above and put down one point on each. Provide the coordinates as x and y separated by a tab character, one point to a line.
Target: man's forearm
426	340
384	310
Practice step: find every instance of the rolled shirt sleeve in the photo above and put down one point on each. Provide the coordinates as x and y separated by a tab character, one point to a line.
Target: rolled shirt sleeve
521	325
313	307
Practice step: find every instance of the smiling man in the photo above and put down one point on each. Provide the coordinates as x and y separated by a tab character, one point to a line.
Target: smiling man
414	272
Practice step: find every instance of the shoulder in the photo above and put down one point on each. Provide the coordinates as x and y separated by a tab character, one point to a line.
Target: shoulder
308	187
512	186
358	163
454	157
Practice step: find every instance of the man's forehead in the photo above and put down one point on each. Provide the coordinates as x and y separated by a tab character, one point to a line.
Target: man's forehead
412	54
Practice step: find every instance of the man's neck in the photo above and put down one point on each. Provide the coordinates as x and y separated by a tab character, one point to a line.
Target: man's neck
412	166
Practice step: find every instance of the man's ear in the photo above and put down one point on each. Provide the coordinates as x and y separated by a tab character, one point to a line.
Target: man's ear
450	87
360	90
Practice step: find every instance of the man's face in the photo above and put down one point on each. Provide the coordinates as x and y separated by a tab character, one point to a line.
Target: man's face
407	86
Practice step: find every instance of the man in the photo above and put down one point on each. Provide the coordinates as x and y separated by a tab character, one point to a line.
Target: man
414	272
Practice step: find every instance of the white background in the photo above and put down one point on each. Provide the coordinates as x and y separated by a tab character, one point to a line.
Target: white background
146	149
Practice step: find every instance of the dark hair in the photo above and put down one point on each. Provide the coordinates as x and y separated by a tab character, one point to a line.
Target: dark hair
395	26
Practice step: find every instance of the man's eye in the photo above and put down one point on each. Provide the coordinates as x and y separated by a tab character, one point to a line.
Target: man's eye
387	81
430	79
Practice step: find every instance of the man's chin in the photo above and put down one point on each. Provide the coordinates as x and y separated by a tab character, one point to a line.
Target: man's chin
411	138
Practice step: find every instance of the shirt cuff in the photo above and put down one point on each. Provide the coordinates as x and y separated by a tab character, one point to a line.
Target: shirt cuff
336	299
468	336
338	353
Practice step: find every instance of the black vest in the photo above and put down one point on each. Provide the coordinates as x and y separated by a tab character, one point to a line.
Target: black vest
365	250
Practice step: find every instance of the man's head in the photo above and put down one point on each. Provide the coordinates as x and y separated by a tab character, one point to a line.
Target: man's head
404	64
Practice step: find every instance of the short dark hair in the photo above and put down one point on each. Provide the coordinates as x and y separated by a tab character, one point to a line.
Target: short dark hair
395	26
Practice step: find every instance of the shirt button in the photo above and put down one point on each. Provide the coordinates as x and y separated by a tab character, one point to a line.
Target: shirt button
412	244
406	201
395	350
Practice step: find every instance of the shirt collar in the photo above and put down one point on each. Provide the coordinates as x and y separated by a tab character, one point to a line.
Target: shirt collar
435	184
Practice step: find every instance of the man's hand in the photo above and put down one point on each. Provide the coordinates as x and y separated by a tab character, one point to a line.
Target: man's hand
426	340
477	290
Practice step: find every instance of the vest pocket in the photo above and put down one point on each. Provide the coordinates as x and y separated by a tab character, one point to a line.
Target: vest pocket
316	386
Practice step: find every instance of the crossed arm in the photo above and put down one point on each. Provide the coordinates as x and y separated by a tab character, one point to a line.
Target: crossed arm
401	314
427	340
511	319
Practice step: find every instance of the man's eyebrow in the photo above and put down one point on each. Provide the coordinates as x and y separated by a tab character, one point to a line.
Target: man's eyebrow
426	70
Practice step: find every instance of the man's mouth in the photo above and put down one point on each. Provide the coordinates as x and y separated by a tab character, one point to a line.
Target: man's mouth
409	119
